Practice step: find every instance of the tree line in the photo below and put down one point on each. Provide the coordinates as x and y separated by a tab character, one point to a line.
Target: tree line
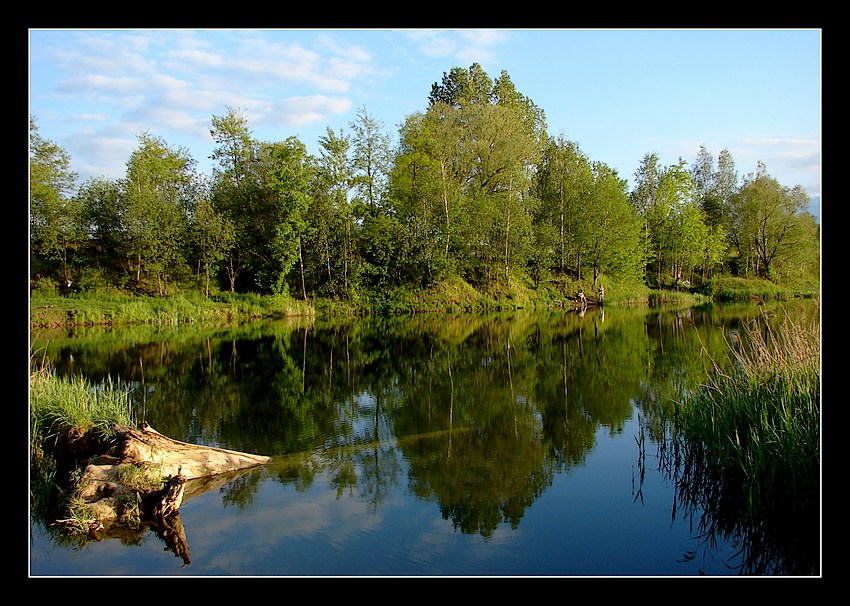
475	188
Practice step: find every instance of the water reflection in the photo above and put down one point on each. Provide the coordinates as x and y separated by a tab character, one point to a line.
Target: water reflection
475	414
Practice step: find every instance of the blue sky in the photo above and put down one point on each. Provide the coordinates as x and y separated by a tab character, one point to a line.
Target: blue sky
618	93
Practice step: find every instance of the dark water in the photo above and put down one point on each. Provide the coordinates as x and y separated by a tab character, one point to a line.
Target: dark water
511	445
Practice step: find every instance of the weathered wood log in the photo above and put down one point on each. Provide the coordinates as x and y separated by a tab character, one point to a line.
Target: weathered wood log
146	445
106	496
165	502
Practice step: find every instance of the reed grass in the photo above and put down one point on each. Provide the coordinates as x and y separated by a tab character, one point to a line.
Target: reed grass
59	405
747	447
64	402
765	415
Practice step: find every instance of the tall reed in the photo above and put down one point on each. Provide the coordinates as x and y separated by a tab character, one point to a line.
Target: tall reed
72	402
747	447
764	417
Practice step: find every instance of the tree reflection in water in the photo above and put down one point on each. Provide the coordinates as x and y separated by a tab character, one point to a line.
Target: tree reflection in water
478	414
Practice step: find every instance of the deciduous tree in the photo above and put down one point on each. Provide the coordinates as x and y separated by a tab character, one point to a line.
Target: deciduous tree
56	229
160	191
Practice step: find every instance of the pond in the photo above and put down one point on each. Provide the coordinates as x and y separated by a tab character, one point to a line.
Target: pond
512	444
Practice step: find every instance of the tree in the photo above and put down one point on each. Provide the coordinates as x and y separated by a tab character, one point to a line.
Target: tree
55	215
714	188
461	87
644	198
771	224
563	184
483	141
234	184
416	198
371	159
102	206
703	177
290	181
430	193
160	191
266	208
331	216
213	235
532	118
500	181
674	194
725	184
612	228
235	147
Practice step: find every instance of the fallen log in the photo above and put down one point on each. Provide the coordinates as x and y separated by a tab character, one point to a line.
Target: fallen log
105	498
146	445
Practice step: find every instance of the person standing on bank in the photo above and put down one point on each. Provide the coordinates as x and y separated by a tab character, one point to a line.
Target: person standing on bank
601	294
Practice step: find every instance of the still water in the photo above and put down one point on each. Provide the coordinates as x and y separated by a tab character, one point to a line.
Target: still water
430	445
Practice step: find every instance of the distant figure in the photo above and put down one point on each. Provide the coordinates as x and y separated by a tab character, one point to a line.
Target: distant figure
582	298
601	293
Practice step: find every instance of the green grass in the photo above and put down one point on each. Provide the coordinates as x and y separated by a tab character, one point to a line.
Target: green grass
81	309
60	406
69	402
746	447
764	417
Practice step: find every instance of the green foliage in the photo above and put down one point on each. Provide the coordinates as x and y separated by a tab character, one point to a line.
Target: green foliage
67	402
742	289
775	236
763	419
476	189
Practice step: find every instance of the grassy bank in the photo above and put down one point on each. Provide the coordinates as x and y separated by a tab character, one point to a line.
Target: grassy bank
69	419
48	308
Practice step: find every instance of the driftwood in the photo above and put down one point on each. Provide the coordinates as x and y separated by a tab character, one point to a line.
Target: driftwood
111	504
146	445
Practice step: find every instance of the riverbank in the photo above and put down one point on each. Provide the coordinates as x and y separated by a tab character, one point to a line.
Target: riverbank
52	309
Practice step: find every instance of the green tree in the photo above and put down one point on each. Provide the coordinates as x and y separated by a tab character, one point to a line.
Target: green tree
332	217
370	160
235	147
483	138
644	198
612	228
563	184
213	235
428	186
56	229
461	87
160	191
771	225
102	203
234	185
673	191
714	190
385	246
290	181
703	177
500	180
415	198
725	185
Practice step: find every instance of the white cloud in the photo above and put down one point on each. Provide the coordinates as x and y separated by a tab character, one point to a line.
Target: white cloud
300	111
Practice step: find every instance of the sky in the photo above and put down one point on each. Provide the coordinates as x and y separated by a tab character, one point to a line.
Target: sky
620	94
